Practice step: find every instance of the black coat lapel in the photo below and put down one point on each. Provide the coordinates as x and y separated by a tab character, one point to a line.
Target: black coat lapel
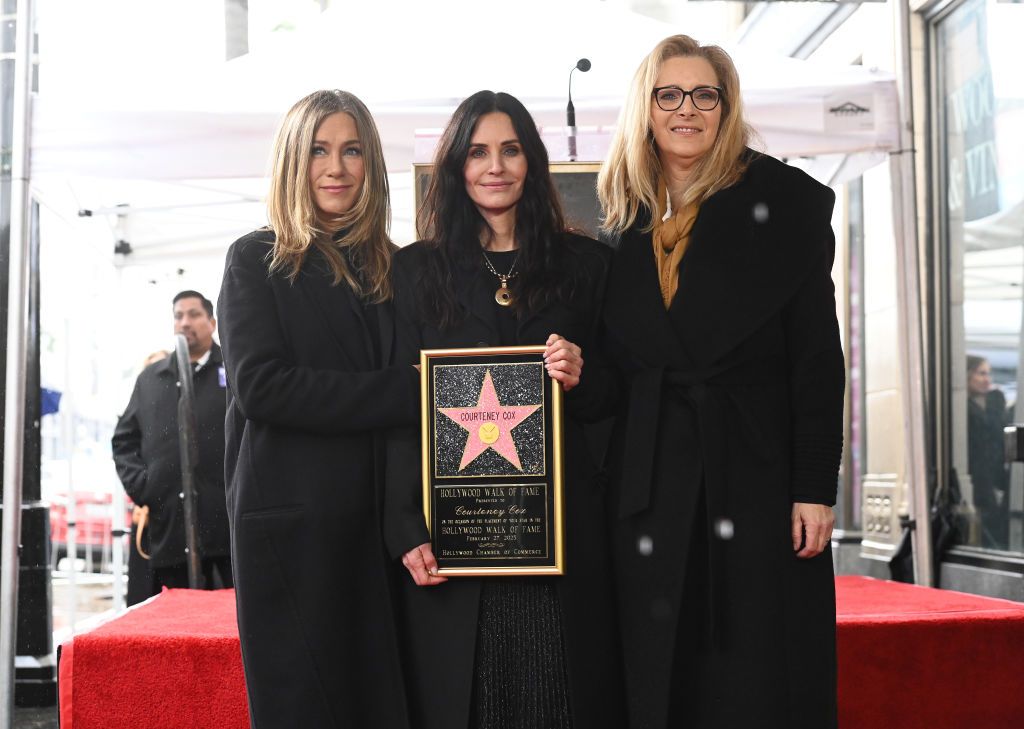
386	331
744	262
522	325
340	309
477	299
634	297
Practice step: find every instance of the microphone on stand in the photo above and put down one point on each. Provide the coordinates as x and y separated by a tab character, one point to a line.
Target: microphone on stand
570	111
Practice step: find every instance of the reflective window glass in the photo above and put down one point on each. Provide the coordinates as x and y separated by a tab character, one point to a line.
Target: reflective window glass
980	109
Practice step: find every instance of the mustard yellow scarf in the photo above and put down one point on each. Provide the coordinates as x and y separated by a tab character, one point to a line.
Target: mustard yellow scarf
671	238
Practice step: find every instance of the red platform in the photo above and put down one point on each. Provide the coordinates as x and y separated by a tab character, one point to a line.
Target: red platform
918	658
909	658
173	661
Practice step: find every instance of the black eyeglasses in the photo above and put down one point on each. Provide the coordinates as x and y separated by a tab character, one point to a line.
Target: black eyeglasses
670	98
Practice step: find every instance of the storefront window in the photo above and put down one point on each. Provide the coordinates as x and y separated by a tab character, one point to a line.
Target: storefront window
980	108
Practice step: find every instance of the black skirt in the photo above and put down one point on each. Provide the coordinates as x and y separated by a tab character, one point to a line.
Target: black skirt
520	679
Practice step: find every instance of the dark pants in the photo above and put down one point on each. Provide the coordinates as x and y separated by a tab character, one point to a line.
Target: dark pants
216	574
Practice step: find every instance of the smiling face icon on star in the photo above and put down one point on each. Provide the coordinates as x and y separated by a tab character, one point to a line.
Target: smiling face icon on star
488	433
490	425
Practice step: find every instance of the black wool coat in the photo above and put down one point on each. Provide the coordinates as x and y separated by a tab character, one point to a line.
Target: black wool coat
148	460
737	392
985	447
441	621
307	395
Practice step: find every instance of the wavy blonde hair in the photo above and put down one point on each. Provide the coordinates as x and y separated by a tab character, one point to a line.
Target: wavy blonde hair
293	213
630	178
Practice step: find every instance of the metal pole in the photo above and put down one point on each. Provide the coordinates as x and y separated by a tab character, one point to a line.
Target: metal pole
908	289
71	509
118	531
17	338
189	449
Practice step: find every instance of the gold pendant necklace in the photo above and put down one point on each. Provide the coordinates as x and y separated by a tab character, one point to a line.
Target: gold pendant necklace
503	295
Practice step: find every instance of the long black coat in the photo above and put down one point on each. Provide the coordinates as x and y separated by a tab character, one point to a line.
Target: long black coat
148	460
986	464
737	392
441	621
312	580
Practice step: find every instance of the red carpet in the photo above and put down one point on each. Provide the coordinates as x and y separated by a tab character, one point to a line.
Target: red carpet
909	658
917	658
173	661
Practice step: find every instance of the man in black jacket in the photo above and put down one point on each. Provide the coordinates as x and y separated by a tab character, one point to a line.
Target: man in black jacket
147	458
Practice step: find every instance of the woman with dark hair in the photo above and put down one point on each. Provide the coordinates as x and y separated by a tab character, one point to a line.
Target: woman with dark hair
721	313
305	327
986	418
498	267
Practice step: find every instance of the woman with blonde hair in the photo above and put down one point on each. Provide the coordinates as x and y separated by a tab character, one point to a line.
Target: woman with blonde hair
305	328
721	314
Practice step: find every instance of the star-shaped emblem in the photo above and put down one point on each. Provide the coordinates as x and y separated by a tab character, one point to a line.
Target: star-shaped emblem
489	424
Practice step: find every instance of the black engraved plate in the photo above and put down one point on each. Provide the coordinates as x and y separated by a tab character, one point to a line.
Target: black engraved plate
492	461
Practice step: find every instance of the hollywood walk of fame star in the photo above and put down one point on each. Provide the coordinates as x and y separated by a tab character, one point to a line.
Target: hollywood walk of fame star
490	424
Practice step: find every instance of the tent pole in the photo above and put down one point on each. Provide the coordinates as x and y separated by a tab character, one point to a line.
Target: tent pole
911	351
17	340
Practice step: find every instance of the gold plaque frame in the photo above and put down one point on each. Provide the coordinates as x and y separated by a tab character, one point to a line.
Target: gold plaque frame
550	477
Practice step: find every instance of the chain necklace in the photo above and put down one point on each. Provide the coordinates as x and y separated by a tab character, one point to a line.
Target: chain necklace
503	295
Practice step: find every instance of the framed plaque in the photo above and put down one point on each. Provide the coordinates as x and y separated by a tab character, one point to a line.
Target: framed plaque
492	461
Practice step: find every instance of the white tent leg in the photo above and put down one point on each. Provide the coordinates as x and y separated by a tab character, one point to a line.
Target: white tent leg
904	213
71	510
17	340
118	528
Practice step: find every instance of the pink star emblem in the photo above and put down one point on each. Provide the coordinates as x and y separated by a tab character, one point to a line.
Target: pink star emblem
490	424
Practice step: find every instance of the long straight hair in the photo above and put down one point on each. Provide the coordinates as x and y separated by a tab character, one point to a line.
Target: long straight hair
630	178
362	242
452	224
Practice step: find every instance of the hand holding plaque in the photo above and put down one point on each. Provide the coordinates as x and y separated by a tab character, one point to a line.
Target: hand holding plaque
563	361
492	460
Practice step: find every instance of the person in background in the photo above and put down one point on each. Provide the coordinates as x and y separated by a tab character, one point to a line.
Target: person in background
498	267
306	326
986	418
148	460
721	314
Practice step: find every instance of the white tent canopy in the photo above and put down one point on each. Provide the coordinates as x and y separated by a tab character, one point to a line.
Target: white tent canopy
412	63
185	149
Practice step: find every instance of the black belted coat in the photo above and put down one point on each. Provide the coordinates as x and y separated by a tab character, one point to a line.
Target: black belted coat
307	397
735	401
441	621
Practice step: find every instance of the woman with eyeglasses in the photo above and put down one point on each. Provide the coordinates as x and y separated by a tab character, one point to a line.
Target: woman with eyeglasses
721	314
306	328
498	267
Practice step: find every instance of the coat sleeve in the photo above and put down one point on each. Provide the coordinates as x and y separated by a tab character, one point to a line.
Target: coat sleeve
817	373
269	386
127	448
598	394
404	524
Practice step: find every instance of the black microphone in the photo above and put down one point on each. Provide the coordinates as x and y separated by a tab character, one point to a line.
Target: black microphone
570	111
